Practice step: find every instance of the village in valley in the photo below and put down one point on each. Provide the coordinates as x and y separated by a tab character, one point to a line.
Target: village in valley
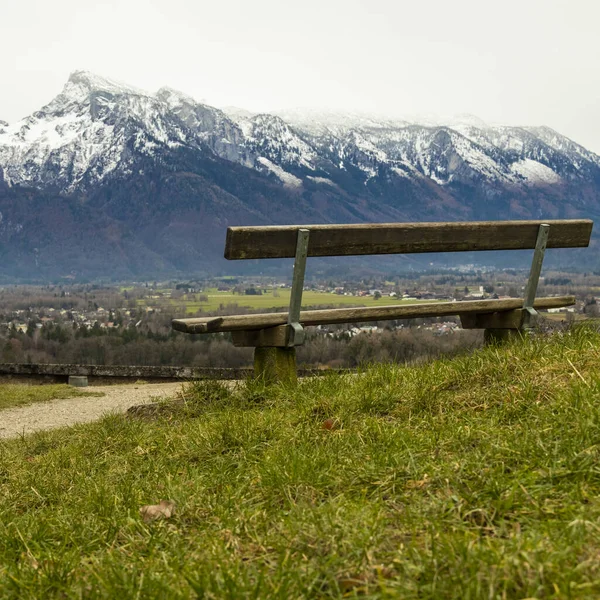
129	305
131	322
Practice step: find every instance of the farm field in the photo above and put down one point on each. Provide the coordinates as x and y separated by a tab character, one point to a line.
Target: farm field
270	300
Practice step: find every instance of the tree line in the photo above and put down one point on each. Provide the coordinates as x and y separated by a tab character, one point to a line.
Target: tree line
155	343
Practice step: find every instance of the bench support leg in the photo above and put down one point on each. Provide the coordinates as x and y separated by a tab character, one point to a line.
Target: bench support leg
530	314
275	365
498	327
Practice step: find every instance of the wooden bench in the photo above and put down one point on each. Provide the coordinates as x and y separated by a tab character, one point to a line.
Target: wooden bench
275	335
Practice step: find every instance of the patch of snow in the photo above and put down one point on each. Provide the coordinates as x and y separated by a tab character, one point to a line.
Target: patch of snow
286	178
535	171
366	146
274	137
322	180
401	172
51	133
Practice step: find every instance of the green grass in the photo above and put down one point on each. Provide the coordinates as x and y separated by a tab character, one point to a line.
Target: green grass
269	300
18	395
472	477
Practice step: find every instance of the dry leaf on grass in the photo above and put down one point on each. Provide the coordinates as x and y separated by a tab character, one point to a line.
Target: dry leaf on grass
354	582
330	424
28	559
163	510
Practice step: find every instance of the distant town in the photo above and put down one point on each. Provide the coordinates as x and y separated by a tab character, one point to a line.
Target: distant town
130	323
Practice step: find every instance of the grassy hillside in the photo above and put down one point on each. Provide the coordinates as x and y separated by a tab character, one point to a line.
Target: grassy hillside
476	477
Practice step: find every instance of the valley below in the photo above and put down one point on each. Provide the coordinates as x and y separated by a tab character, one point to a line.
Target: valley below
130	323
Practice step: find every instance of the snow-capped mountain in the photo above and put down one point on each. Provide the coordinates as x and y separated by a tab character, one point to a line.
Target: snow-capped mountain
157	168
95	127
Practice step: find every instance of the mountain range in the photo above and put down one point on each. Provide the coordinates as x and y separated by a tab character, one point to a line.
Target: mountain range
110	181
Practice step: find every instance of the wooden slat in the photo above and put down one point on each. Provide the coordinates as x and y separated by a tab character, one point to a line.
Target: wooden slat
402	238
510	319
261	338
359	314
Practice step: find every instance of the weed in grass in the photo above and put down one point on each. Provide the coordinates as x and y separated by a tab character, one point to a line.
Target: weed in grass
255	391
206	392
194	400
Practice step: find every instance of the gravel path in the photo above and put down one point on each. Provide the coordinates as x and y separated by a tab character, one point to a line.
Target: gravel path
57	413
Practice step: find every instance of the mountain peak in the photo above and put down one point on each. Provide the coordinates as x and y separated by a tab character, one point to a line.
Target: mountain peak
174	97
320	121
82	83
237	113
451	121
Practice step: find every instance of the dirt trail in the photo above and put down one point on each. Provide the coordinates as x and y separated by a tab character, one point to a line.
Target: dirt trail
57	413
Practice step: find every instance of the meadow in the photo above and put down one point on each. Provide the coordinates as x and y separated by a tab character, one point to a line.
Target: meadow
270	299
471	477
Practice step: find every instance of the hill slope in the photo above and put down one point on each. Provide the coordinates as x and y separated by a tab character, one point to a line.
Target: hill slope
464	478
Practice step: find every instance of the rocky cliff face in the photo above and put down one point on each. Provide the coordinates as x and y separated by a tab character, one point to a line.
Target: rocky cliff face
110	180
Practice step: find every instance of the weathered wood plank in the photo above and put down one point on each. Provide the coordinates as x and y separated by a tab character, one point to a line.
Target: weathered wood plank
402	238
262	338
359	314
511	319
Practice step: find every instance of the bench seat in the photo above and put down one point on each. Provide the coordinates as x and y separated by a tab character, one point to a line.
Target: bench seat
359	314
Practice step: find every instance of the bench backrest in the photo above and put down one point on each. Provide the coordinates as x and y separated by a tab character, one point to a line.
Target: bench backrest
403	238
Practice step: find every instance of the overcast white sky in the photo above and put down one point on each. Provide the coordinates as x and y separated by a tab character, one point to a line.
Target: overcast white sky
520	62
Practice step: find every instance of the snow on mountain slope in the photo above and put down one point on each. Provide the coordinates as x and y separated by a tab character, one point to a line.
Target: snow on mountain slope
210	125
562	144
317	122
439	153
86	133
444	150
286	178
97	128
533	170
272	137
